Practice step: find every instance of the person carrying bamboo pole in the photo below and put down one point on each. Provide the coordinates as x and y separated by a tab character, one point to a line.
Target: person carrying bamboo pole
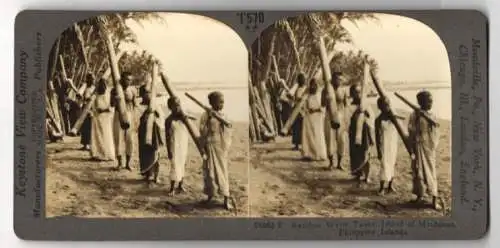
86	95
386	139
424	136
313	138
150	137
124	139
102	148
177	140
297	124
335	138
360	152
216	138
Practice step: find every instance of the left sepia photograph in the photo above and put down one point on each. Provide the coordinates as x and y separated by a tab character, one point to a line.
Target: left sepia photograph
147	116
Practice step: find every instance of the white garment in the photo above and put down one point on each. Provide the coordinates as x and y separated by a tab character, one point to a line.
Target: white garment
178	143
389	146
102	147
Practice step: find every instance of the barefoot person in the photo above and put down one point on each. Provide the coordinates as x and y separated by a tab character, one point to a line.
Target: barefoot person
424	137
386	139
216	139
335	139
177	145
86	93
102	125
125	139
297	124
150	138
313	138
360	153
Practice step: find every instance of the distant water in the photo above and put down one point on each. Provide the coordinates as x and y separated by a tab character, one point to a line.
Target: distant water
441	96
235	102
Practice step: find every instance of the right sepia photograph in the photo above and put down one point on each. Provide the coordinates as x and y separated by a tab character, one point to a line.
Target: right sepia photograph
350	116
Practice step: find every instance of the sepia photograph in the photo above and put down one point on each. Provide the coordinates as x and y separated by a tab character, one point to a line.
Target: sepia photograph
146	117
350	116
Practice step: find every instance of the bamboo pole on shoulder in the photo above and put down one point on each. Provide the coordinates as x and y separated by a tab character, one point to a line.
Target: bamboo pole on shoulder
113	62
362	105
193	131
151	106
392	116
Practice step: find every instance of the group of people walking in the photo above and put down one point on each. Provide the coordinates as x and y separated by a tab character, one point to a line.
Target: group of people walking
104	136
361	130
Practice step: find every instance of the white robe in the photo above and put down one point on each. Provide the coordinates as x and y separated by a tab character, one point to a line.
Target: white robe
102	129
388	138
178	141
313	136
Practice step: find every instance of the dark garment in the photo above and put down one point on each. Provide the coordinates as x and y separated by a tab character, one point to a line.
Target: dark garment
297	131
73	113
359	153
286	110
85	132
149	154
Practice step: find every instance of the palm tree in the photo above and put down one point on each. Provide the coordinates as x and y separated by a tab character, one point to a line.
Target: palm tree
297	43
83	49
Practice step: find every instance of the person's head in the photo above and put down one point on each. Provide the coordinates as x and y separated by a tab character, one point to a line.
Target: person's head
174	104
301	79
126	78
383	104
355	92
313	86
90	79
424	99
336	79
216	100
101	86
145	94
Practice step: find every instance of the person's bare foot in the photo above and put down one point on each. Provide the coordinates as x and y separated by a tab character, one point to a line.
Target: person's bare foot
381	192
435	203
208	200
171	192
391	190
128	168
418	200
340	168
180	190
227	204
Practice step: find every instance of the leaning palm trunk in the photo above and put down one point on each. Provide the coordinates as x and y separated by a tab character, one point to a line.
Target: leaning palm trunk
54	57
293	41
79	36
113	62
253	112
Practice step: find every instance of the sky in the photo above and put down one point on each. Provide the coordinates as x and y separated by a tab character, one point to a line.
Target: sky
405	49
195	49
198	49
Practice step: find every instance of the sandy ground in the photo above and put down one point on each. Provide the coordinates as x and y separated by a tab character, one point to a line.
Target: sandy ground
282	185
276	183
76	186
